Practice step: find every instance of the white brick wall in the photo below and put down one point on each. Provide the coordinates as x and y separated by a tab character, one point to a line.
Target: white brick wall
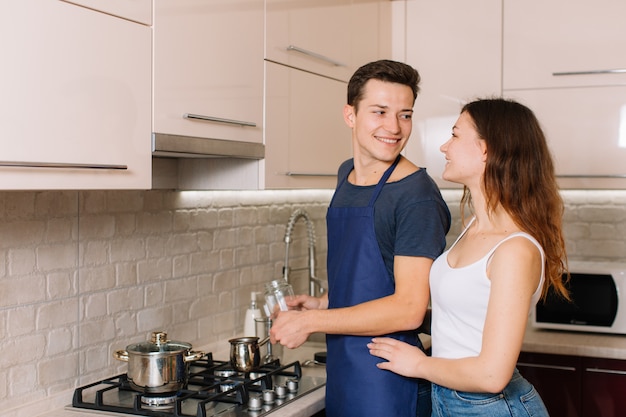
83	274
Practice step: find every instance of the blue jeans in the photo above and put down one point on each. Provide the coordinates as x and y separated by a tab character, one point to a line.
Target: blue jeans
518	399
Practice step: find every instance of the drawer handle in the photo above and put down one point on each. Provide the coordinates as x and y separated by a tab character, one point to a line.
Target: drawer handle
63	165
609	71
218	120
592	176
316	55
307	174
537	365
606	371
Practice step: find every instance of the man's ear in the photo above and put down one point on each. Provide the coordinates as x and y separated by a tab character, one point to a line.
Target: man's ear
348	115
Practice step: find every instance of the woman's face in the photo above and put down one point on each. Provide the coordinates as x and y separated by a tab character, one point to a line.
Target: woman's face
465	153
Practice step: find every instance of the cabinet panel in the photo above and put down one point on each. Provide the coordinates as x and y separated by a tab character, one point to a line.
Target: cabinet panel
565	36
310	34
557	379
586	131
306	137
208	62
604	385
76	91
328	37
456	48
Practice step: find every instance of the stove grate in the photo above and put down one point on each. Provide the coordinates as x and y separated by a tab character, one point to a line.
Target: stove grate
205	394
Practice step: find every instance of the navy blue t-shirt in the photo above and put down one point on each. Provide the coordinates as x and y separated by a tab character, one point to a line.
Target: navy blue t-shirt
410	216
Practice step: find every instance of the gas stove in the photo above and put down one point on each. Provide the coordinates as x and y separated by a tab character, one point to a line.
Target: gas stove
213	389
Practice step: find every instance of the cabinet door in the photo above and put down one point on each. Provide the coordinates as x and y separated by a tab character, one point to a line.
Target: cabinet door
327	37
456	47
306	137
557	378
586	132
208	69
313	35
604	385
75	109
563	43
370	23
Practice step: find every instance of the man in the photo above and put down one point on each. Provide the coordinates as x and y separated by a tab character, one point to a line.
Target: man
386	224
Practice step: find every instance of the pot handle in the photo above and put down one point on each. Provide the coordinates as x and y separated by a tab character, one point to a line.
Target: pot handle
121	355
193	356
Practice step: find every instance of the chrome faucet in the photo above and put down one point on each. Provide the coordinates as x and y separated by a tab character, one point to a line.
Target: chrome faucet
314	282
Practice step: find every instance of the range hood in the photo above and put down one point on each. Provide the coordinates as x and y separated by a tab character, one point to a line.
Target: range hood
177	146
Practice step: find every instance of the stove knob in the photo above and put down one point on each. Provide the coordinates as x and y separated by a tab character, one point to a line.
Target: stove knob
292	385
255	402
281	391
268	396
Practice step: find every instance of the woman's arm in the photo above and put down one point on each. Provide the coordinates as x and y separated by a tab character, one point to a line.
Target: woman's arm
514	272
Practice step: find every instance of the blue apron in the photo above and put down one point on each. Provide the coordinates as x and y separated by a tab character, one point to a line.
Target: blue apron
357	273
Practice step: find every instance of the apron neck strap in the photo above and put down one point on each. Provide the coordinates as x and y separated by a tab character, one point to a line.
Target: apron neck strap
383	180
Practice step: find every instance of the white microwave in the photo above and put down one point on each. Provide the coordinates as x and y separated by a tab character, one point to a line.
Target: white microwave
598	302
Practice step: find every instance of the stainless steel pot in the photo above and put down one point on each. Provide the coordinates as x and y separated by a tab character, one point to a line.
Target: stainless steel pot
158	365
244	353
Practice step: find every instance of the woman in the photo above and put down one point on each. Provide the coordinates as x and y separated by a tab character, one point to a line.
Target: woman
511	251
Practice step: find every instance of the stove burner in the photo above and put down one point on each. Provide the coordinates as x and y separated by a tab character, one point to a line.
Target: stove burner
155	402
213	388
227	384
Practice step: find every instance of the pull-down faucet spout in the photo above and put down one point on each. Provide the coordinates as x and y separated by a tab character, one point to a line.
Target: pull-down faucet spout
314	282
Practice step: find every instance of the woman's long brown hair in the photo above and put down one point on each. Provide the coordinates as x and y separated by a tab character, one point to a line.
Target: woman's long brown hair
519	176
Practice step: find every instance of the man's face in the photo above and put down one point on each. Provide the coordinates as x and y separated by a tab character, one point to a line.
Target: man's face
383	123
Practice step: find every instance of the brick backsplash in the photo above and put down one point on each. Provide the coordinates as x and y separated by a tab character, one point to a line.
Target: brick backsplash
83	274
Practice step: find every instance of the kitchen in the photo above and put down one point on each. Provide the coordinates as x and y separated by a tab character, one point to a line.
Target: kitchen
85	273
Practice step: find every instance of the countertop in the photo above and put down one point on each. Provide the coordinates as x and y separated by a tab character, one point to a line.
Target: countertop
535	340
595	345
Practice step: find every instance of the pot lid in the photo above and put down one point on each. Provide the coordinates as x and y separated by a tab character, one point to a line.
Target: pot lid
158	343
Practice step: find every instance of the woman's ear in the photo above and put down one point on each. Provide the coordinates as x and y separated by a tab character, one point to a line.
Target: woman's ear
348	115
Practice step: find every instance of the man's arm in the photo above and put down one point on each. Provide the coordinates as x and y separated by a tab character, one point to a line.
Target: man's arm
402	310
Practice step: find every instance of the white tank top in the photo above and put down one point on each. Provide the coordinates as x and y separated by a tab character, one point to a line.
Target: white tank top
459	298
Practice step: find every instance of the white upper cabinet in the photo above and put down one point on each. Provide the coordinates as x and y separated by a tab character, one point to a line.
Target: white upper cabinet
456	48
312	35
564	43
307	137
326	37
564	59
208	69
586	132
76	87
312	49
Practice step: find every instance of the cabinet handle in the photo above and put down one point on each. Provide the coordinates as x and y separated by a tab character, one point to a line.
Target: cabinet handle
593	176
537	365
315	55
60	165
218	120
605	371
307	174
609	71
